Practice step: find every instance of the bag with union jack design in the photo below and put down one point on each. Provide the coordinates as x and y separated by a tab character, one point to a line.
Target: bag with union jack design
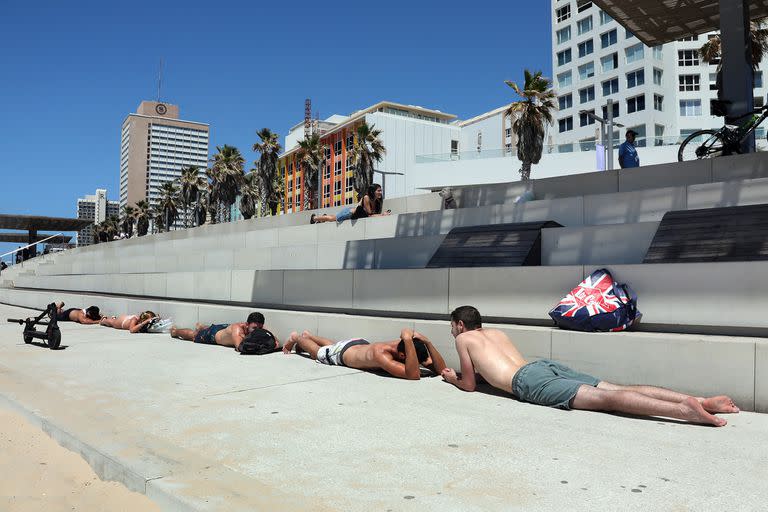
598	304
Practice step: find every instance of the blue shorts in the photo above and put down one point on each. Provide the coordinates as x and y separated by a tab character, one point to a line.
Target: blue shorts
548	383
208	336
345	214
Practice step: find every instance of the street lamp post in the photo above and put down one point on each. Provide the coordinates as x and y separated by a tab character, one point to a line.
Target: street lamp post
606	125
384	175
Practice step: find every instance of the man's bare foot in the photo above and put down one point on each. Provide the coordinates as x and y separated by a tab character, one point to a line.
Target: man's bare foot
306	333
59	305
173	331
292	340
719	404
694	412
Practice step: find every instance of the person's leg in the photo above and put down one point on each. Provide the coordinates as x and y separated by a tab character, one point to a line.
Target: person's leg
291	341
114	323
319	219
311	343
184	334
715	404
631	402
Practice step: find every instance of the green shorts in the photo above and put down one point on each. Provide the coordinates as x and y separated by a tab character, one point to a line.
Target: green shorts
548	383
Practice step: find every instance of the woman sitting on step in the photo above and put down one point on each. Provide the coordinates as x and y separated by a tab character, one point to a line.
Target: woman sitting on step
370	206
133	323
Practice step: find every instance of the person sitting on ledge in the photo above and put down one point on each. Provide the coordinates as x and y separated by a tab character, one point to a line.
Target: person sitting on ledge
490	353
227	335
370	206
133	323
399	358
87	316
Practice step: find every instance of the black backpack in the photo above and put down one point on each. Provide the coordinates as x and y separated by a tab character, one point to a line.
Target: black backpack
258	342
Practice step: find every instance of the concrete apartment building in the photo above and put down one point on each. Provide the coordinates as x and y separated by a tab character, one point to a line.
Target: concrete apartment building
96	208
154	146
663	93
410	134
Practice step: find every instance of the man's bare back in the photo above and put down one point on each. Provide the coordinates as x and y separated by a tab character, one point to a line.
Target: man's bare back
368	357
233	335
491	354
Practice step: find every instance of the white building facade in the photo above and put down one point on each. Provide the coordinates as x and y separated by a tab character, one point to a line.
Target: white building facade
96	208
662	93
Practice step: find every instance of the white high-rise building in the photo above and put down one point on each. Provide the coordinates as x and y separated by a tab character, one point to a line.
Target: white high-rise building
155	145
662	93
96	208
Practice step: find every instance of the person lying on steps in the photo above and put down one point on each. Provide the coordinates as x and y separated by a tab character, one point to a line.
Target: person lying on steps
227	335
490	353
400	358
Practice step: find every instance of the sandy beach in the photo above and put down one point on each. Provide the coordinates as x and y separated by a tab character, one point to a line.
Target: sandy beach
38	474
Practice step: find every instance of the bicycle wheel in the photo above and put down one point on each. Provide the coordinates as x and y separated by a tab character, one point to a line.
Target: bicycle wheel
701	144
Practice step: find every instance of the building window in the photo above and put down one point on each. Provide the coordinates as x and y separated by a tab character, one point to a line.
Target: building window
586	47
689	83
563	13
583	5
564	57
327	152
350	142
587	144
658	102
690	108
759	102
658	53
757	81
690	38
337	148
584	25
564	79
610	62
687	58
565	148
587	94
636	104
605	18
564	102
640	142
454	147
635	53
563	35
585	119
635	78
337	168
615	111
566	124
327	172
657	76
326	191
610	87
608	39
587	70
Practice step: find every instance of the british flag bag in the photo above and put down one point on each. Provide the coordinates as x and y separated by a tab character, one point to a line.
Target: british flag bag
597	304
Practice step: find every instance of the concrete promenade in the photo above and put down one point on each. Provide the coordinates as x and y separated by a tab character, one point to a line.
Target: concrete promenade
202	428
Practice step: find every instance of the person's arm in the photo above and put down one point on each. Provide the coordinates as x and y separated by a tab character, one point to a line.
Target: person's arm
438	363
238	336
138	326
622	152
467	380
368	207
409	370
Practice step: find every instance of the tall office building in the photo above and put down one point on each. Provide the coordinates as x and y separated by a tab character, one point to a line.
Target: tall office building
154	146
663	93
96	208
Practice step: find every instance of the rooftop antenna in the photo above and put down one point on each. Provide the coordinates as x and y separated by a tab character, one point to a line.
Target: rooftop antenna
307	117
159	79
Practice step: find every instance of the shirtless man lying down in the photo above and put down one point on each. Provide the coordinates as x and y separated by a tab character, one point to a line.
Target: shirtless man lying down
490	353
227	335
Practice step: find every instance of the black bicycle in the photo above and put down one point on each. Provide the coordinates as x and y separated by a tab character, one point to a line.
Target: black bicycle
723	142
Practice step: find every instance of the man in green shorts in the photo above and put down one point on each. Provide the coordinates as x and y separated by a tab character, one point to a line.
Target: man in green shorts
490	353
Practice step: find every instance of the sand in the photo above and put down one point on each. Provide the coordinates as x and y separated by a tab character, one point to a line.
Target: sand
38	474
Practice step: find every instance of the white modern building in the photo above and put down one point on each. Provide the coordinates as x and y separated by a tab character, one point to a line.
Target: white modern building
662	93
96	208
155	145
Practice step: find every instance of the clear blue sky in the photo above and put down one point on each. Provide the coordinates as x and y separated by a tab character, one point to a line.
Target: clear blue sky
71	71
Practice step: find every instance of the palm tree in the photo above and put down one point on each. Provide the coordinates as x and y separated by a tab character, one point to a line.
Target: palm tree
169	203
142	217
97	233
269	148
249	194
201	205
129	213
278	193
712	50
531	115
190	183
311	155
226	174
112	227
367	149
157	214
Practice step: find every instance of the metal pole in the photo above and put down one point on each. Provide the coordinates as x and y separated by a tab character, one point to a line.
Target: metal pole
609	146
737	71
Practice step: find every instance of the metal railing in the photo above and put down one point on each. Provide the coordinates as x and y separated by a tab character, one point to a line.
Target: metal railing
19	249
